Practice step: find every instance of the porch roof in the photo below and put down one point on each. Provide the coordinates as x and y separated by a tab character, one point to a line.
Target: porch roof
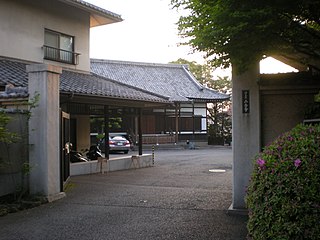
98	15
81	85
170	80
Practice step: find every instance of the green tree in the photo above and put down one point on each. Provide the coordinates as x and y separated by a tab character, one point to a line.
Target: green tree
221	84
97	124
242	32
5	135
219	113
17	137
202	72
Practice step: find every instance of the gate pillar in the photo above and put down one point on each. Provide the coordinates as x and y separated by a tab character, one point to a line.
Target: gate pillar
246	130
44	152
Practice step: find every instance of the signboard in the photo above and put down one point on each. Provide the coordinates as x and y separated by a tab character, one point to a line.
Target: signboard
245	101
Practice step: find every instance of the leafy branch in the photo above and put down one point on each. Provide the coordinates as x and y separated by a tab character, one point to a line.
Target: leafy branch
8	162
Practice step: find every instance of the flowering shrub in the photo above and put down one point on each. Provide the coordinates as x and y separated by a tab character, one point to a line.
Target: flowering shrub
283	196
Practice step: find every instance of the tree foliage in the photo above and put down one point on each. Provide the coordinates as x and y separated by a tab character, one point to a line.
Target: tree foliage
242	32
203	73
14	145
5	135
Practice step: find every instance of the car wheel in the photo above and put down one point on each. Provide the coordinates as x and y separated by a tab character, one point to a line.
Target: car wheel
126	152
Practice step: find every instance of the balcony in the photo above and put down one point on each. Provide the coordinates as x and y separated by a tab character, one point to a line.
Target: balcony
60	55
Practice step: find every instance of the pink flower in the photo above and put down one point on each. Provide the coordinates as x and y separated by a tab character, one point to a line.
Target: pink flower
261	162
290	138
297	162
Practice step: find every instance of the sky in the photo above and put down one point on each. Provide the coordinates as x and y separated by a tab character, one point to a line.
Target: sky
149	33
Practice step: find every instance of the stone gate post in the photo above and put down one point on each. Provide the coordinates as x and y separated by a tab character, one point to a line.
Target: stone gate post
246	130
44	152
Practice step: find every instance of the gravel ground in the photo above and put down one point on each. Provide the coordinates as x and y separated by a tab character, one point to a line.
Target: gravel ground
178	198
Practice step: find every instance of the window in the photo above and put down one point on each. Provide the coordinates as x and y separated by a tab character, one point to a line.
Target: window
59	47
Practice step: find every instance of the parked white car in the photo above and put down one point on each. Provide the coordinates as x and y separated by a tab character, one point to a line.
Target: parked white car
116	144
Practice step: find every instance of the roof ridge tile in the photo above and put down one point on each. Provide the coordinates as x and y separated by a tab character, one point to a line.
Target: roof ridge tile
174	65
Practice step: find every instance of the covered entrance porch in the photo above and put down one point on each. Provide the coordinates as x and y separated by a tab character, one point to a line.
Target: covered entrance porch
93	119
80	96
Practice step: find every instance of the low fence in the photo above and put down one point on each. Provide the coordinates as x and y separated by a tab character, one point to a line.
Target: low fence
115	164
158	138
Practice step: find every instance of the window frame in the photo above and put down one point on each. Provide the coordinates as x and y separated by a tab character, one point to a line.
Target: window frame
56	53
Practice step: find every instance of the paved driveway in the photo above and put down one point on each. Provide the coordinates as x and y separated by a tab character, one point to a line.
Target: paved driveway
178	198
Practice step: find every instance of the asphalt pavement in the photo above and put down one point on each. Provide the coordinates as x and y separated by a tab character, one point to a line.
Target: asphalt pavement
182	196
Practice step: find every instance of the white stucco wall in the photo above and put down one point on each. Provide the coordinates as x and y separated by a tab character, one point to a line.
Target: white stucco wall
22	25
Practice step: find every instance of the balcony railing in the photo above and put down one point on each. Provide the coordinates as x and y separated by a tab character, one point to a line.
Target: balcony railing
60	55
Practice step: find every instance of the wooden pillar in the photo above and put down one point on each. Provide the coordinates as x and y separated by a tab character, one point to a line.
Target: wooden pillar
177	123
193	127
165	118
140	130
106	131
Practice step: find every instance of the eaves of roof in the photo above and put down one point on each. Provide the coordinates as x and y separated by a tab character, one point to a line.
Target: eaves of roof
98	15
91	85
17	93
82	84
299	61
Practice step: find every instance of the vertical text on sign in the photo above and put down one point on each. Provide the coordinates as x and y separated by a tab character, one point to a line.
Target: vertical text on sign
245	101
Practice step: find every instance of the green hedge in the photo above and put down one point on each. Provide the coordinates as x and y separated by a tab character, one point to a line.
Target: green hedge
283	196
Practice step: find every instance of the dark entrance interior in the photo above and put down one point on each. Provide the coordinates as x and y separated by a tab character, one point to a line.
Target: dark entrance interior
65	149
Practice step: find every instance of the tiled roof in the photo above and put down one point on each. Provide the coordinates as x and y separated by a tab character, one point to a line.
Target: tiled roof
14	92
14	72
92	85
172	80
